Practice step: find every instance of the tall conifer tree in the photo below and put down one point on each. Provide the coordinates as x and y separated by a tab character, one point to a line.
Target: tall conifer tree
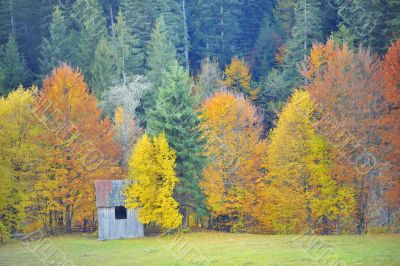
13	70
125	47
56	48
174	115
93	28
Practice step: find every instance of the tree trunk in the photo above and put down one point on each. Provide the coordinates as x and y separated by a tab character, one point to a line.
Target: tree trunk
68	218
325	228
309	219
222	27
12	18
112	21
85	222
362	208
94	223
185	27
338	226
185	218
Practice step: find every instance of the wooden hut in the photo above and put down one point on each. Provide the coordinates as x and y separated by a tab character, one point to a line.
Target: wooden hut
115	221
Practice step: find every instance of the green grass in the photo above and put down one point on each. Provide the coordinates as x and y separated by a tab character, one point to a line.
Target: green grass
212	247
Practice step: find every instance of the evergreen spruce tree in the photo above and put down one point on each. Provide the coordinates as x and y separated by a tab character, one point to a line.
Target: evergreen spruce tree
174	115
271	97
13	70
329	16
6	21
55	48
111	9
368	22
394	20
284	14
343	36
161	52
141	17
267	43
282	80
93	29
125	47
251	21
306	31
46	14
217	29
21	19
104	71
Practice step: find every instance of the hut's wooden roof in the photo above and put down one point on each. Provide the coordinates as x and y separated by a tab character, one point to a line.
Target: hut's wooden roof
110	193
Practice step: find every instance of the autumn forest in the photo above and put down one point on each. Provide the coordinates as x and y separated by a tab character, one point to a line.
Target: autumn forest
245	116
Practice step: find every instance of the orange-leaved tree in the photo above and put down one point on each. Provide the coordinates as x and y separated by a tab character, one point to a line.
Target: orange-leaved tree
80	142
347	87
391	124
232	128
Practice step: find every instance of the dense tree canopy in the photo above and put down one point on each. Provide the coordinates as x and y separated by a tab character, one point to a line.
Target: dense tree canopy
152	170
174	115
232	127
272	116
82	146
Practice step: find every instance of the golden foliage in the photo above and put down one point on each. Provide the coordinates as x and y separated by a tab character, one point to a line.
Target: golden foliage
235	152
80	142
238	78
20	156
300	191
152	169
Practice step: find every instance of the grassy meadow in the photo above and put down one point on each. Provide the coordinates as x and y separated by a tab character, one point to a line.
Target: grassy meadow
210	248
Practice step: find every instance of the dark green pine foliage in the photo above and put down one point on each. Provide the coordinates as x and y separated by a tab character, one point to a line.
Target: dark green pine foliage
284	14
393	30
343	36
13	70
216	29
126	50
142	15
104	71
306	31
46	13
268	41
88	14
271	98
367	21
116	59
5	21
160	51
251	21
140	18
20	18
111	8
174	115
282	80
57	47
161	54
329	16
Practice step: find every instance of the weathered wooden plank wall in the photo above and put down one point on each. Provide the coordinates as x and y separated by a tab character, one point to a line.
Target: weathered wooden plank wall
110	228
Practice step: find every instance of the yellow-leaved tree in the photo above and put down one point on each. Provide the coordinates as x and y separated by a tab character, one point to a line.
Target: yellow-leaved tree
238	78
235	151
20	156
300	190
152	169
